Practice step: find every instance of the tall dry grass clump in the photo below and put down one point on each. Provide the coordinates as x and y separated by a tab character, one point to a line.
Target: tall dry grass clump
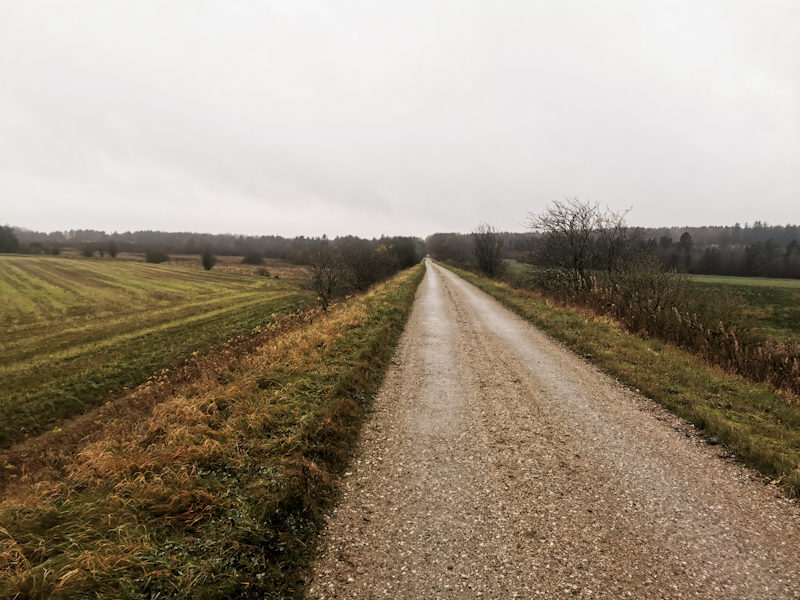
219	491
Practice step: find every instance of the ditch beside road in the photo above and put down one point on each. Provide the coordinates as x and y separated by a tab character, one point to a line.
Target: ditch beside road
498	465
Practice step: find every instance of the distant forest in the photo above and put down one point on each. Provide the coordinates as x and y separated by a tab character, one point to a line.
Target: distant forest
757	250
267	246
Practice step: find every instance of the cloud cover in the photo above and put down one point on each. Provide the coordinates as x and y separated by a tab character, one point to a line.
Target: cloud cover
311	117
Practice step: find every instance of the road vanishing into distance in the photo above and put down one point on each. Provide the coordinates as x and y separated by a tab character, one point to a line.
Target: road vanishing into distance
500	465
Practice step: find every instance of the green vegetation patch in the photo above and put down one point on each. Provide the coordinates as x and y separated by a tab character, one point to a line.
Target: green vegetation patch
221	491
77	332
755	422
775	303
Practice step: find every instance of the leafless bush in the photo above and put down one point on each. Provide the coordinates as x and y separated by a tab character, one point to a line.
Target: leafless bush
364	264
487	248
662	304
566	236
350	264
588	257
325	270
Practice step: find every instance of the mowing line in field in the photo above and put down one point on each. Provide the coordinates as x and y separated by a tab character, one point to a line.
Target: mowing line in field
34	290
75	329
100	327
93	347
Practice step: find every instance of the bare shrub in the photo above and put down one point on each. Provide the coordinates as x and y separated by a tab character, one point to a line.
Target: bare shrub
664	304
364	264
488	250
566	236
352	264
325	270
579	239
588	257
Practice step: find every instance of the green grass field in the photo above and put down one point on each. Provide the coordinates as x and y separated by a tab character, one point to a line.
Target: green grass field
78	331
775	303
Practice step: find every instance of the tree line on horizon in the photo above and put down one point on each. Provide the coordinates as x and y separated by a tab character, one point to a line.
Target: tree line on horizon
760	250
159	245
757	250
170	243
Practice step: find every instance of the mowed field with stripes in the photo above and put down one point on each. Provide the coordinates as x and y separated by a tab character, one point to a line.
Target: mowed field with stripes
77	332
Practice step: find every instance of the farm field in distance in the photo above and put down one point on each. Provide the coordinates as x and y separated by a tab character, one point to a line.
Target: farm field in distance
775	303
77	331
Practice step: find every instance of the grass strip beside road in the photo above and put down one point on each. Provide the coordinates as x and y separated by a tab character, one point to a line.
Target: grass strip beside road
219	493
759	425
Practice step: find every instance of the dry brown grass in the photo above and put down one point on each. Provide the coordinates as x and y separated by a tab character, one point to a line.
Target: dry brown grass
46	456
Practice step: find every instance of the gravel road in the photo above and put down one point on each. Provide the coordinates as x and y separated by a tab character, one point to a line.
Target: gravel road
500	465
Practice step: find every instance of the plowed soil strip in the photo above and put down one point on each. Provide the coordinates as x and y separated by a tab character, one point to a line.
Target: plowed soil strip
500	465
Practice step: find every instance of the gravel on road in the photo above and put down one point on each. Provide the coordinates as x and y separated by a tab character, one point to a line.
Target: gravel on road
498	464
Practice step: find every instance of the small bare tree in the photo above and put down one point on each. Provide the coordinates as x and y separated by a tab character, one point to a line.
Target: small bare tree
487	248
325	270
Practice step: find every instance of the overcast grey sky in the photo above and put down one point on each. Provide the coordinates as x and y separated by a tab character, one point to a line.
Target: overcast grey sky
395	117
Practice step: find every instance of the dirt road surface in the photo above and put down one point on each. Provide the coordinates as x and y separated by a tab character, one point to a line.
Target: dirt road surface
500	465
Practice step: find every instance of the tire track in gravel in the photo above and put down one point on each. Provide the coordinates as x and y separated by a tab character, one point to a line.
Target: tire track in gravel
500	465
